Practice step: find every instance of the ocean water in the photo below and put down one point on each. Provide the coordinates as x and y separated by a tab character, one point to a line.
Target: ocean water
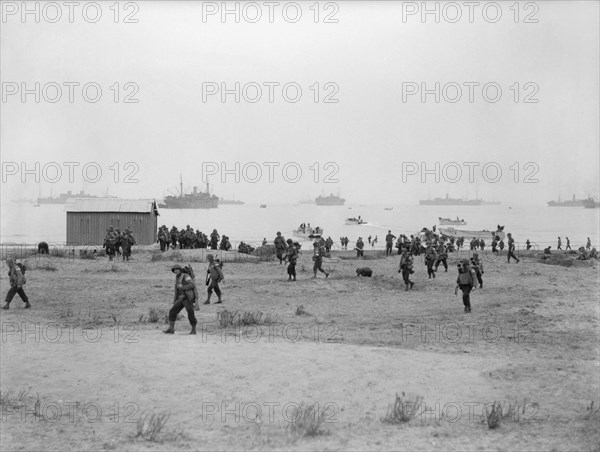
24	223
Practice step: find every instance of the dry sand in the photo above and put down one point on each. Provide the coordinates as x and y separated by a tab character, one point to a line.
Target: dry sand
95	365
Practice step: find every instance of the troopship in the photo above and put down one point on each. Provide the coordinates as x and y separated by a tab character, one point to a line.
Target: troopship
570	203
591	203
330	200
447	201
62	198
194	200
224	201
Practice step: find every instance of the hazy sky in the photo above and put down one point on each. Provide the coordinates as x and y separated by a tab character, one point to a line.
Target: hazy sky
369	61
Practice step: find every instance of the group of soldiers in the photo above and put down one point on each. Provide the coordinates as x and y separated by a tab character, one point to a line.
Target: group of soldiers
187	238
117	243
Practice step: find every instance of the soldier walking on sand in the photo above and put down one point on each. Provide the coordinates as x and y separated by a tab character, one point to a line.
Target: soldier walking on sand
511	248
588	245
360	245
477	265
280	247
291	257
17	279
465	282
442	257
318	261
568	247
406	267
184	297
389	243
430	258
214	275
559	247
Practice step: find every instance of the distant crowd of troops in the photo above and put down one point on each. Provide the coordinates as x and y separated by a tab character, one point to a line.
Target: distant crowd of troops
187	238
117	243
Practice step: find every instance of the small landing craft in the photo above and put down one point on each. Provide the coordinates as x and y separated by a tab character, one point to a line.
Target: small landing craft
308	233
451	222
451	232
353	220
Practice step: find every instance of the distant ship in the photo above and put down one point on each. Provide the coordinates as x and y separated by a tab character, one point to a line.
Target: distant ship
330	200
590	203
62	198
571	203
195	200
224	201
307	201
447	201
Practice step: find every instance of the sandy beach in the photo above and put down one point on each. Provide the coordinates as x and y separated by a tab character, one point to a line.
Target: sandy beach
82	367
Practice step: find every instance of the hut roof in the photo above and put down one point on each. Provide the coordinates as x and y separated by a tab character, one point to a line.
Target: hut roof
111	205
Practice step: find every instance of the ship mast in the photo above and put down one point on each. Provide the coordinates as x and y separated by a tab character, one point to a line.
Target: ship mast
180	185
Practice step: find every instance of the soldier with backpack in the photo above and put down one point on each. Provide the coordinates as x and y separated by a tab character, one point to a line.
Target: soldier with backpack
406	267
185	295
16	274
291	257
477	265
465	282
214	275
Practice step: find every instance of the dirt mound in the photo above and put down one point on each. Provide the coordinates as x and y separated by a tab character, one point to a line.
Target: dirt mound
566	260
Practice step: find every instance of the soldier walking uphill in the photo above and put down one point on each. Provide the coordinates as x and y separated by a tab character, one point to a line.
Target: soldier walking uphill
389	243
465	282
568	247
430	258
291	257
559	247
163	238
127	241
406	267
477	266
185	295
16	275
442	257
511	248
110	243
280	247
318	261
360	245
213	278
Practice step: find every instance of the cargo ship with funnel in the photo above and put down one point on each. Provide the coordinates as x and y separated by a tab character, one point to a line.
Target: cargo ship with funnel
447	201
569	203
331	200
194	200
62	198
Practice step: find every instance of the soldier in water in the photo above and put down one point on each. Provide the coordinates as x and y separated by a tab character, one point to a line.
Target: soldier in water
184	297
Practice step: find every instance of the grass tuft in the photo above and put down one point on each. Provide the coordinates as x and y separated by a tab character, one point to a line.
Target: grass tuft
403	409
